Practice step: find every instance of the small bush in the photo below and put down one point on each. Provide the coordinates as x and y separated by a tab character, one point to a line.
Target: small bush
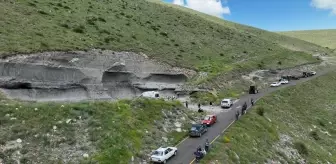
79	29
104	32
66	7
279	62
155	28
221	54
101	19
91	20
321	123
260	111
43	12
44	45
39	34
315	135
165	34
31	4
65	25
301	148
261	65
226	139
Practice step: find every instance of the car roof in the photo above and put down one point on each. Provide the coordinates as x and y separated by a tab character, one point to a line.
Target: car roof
209	115
226	99
162	149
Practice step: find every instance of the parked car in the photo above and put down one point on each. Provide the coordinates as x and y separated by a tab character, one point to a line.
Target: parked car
162	154
151	94
275	84
308	74
226	103
197	130
209	120
283	81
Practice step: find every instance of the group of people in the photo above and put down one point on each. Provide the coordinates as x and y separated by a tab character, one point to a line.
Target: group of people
237	113
200	153
199	106
244	108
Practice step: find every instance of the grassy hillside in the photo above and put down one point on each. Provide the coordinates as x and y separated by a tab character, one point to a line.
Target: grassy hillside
290	125
325	38
280	40
169	33
107	132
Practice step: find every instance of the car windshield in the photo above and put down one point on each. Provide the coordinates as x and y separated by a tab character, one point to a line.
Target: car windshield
158	153
195	127
207	118
225	102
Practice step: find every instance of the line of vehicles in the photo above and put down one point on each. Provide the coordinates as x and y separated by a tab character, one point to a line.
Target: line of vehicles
162	154
285	79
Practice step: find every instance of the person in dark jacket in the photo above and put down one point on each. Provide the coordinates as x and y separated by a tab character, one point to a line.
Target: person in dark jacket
252	101
207	145
199	149
199	106
237	115
186	104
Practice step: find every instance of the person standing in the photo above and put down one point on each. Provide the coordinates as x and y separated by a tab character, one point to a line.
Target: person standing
186	104
206	146
199	106
237	115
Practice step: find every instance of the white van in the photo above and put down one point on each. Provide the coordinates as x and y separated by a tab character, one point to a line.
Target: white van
151	94
226	103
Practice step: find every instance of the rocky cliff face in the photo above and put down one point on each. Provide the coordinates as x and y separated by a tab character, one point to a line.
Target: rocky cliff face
96	74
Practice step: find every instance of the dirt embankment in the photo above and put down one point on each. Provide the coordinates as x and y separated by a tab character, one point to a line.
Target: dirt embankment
75	76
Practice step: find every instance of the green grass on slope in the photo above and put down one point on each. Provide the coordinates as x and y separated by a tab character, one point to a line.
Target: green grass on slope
164	32
306	113
325	38
116	131
287	42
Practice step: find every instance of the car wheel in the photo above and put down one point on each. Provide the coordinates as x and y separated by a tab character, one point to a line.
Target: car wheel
165	161
175	153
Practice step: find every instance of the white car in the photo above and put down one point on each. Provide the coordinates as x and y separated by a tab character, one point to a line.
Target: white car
313	72
226	103
283	81
275	84
151	94
162	154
